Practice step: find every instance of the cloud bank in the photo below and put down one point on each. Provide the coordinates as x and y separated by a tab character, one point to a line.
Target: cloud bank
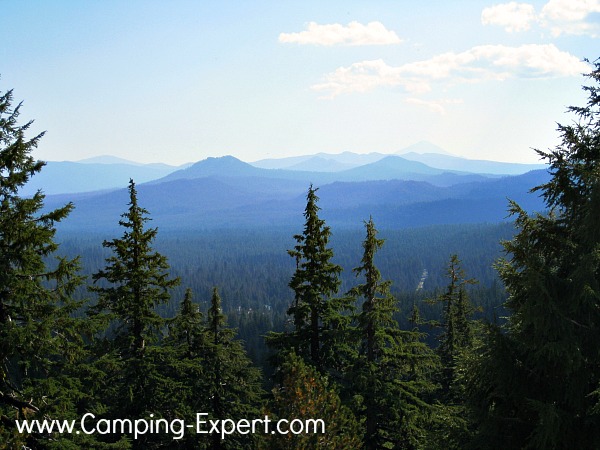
486	62
577	17
355	33
512	16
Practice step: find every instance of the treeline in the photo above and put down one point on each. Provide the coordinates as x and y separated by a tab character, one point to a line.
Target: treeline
252	270
344	353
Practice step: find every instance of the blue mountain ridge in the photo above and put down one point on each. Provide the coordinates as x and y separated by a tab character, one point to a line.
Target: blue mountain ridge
228	193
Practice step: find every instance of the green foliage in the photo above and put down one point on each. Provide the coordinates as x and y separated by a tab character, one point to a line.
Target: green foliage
536	385
184	347
531	382
391	378
185	329
456	349
40	343
135	373
457	326
230	381
379	305
318	319
138	280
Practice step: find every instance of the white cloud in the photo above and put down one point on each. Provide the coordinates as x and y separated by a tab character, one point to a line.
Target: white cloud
374	33
437	106
486	62
512	16
572	17
560	16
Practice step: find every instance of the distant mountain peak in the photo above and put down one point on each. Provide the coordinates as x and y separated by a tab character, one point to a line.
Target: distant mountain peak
221	162
214	166
222	158
423	147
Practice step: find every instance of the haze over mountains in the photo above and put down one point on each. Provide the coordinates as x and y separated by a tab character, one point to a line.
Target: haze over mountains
423	152
225	192
61	177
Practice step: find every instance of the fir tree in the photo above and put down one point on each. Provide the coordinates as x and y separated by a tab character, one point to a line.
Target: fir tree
457	326
213	372
391	376
136	370
231	383
40	341
138	281
184	367
317	317
457	342
185	330
536	383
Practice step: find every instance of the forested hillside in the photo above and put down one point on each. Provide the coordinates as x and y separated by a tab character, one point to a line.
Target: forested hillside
229	201
252	268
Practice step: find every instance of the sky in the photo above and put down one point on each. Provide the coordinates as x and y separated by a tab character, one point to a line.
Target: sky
179	81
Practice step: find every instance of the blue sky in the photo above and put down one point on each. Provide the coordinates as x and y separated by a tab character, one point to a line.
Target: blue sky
179	81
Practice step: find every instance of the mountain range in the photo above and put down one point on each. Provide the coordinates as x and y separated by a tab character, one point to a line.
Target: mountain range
423	152
109	172
225	192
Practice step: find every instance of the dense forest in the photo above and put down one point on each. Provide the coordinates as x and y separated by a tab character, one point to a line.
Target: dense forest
462	336
252	270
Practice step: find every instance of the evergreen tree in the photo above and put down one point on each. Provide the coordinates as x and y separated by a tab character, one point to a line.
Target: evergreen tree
138	281
183	366
185	330
536	384
136	370
457	342
457	325
391	376
40	341
231	383
213	373
318	318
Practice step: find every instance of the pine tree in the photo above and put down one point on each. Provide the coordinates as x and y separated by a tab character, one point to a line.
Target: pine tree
134	282
184	368
536	383
391	376
457	326
457	343
185	330
317	316
232	383
138	280
214	373
40	341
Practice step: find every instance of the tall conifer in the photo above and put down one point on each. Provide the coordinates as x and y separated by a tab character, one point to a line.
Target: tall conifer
391	376
314	282
138	280
39	339
134	282
320	319
536	384
457	326
231	383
